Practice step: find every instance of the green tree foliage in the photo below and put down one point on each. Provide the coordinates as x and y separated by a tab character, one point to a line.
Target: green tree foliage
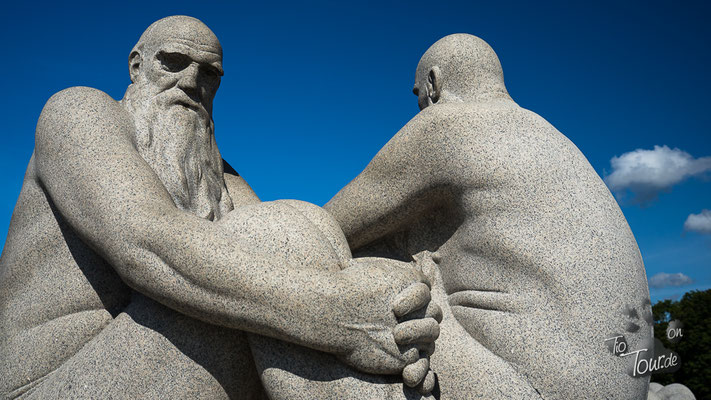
694	349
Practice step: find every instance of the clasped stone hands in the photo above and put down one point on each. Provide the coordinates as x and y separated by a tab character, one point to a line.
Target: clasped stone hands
396	336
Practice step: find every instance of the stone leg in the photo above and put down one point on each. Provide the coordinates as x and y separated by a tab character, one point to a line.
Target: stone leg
291	372
465	368
297	233
152	352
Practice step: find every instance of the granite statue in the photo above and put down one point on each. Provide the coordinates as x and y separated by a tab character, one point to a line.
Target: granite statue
490	259
529	255
675	391
139	264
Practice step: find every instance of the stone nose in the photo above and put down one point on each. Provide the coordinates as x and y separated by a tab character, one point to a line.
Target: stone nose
189	77
188	81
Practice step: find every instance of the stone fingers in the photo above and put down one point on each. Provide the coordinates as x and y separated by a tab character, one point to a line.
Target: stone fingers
411	298
428	383
414	373
427	349
418	375
434	311
418	331
411	355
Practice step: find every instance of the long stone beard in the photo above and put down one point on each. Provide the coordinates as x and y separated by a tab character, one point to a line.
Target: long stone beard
179	145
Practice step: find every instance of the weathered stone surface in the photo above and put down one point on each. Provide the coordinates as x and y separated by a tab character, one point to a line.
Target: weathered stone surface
653	396
139	265
655	387
531	258
673	391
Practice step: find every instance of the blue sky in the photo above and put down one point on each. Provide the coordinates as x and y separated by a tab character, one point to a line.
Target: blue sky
313	90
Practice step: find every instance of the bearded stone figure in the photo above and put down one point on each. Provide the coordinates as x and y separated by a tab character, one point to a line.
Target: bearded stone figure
492	262
173	121
138	264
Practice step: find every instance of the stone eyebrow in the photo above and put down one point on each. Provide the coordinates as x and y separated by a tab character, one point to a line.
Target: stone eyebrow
201	47
191	49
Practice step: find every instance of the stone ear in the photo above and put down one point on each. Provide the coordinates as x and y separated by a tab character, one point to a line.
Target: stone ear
434	84
134	65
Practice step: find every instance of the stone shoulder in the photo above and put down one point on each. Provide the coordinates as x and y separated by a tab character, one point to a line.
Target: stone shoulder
77	114
457	118
81	104
78	96
447	127
78	124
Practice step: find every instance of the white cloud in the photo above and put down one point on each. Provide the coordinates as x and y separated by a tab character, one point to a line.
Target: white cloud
663	279
648	172
700	223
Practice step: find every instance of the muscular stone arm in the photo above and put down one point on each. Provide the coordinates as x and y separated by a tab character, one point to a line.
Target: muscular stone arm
421	167
407	176
89	167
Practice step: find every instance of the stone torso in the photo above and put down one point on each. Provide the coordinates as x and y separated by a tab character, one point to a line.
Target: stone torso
56	292
537	260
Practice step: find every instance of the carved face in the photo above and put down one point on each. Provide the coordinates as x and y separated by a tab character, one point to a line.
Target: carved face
188	73
175	82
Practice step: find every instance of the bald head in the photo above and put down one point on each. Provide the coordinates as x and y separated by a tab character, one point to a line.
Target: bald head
178	34
180	29
459	67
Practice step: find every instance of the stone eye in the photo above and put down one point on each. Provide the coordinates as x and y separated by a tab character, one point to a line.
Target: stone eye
211	73
173	62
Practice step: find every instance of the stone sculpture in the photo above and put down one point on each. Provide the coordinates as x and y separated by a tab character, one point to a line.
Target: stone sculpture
673	391
139	265
531	258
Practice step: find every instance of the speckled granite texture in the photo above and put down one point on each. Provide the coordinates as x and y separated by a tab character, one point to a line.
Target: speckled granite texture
674	391
531	259
138	264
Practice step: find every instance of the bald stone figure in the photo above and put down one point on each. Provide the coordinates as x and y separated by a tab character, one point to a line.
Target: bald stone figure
532	261
139	265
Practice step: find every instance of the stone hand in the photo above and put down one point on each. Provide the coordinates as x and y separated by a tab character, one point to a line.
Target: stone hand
417	326
386	320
